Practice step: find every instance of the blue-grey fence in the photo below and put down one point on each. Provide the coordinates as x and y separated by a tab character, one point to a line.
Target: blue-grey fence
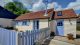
30	37
8	37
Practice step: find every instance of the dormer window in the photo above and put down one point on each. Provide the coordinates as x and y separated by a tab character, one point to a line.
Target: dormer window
59	13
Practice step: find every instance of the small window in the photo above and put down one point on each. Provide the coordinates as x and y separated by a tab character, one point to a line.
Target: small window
18	22
59	13
26	22
60	23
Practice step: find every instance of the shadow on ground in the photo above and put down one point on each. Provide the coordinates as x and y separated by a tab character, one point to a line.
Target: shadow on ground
47	41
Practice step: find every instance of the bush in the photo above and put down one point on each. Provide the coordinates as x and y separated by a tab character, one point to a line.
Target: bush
70	36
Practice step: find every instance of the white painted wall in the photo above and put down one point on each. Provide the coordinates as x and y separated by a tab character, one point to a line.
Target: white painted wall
43	23
24	28
70	28
6	22
53	24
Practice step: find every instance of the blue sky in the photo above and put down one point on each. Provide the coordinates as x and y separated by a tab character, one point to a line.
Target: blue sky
64	3
36	5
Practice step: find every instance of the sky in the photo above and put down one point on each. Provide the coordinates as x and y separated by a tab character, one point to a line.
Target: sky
37	5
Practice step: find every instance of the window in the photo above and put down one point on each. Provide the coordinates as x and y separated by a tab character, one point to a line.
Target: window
18	22
27	22
24	23
59	13
60	23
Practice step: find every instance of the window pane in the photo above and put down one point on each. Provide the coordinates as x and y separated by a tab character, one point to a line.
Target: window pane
26	22
60	23
19	23
59	13
16	23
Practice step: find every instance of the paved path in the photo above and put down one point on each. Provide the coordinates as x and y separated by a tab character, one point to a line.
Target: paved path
77	41
56	42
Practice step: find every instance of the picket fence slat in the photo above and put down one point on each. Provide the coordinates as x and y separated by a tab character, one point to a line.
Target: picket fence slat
8	37
30	37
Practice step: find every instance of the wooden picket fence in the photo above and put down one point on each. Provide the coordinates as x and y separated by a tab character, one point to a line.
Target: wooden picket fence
8	37
31	37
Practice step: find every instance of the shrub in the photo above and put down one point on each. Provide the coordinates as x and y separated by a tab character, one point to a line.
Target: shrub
70	36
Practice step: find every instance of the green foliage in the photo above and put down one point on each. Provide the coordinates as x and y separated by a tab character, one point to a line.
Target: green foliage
16	7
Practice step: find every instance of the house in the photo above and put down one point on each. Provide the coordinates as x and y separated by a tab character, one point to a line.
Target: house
6	18
33	21
64	22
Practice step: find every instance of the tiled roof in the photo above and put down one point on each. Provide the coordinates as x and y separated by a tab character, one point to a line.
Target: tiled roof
35	15
69	13
66	14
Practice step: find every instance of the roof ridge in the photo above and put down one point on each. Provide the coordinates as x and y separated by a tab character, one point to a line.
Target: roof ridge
37	11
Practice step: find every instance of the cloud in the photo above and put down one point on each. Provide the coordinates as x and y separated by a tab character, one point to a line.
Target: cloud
3	2
38	6
28	1
50	5
41	6
74	5
55	5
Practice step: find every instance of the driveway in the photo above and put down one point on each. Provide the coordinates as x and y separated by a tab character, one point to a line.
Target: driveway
57	42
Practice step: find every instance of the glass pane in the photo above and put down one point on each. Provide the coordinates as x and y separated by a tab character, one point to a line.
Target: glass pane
59	13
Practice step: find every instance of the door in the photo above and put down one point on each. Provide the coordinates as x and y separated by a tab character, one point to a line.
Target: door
59	28
35	24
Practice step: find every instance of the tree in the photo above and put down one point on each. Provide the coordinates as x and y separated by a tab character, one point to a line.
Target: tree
16	7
